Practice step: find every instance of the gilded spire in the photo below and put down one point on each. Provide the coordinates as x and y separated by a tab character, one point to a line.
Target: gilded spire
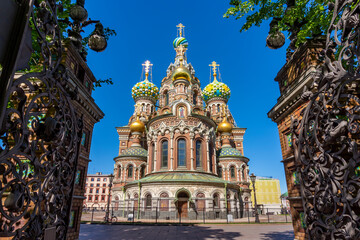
147	65
214	65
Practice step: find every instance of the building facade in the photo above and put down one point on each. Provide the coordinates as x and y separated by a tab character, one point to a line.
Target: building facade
267	195
97	191
298	73
181	149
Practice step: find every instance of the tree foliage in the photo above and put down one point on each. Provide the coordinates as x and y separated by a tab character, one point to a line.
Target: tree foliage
302	18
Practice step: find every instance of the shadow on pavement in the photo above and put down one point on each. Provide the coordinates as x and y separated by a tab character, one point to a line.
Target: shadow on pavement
109	232
278	235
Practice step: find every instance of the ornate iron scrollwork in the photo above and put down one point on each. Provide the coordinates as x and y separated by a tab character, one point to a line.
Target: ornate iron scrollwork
39	141
327	137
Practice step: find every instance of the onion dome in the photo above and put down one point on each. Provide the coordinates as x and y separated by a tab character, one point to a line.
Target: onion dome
137	126
134	152
145	89
224	126
229	152
216	89
180	41
181	73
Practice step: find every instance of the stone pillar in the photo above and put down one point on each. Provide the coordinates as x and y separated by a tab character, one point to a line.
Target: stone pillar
223	173
172	151
124	173
214	157
155	153
237	174
148	157
192	135
207	153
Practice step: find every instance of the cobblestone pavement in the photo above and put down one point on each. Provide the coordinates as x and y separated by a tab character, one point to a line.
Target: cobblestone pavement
199	232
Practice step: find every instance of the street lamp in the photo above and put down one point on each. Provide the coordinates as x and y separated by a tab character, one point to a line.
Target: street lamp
253	178
111	177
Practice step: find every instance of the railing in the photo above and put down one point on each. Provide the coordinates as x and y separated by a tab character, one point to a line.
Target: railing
175	215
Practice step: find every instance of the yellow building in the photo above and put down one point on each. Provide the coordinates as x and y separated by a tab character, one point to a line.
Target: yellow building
267	194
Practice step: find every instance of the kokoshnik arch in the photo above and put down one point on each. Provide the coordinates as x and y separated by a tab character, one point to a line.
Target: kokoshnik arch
180	154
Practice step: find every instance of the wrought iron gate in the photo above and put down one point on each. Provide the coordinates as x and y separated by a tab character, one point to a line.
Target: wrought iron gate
326	140
39	137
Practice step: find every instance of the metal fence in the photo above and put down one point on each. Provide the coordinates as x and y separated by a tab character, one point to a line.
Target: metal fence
176	215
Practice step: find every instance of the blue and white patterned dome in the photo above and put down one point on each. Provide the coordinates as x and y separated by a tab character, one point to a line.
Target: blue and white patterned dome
216	89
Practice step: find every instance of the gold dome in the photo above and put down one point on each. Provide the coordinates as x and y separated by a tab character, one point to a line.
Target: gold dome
137	126
181	73
224	126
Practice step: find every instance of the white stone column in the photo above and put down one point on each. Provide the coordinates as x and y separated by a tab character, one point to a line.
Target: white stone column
192	135
155	153
215	163
148	157
207	153
238	175
172	151
223	173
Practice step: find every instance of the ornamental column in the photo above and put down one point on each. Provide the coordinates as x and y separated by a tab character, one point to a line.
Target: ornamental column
192	135
207	153
171	151
155	152
148	157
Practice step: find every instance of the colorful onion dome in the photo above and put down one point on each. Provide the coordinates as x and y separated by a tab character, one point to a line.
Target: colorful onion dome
180	41
181	73
134	152
137	126
216	89
224	126
145	89
229	152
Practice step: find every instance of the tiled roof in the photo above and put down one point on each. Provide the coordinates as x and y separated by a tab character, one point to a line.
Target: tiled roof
134	152
181	177
229	152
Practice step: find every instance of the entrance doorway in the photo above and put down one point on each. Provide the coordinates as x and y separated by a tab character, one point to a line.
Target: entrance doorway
183	199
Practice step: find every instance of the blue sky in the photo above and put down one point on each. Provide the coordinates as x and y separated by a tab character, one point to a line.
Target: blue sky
145	31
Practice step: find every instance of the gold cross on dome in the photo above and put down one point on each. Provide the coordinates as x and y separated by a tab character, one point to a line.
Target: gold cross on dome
214	65
147	65
181	27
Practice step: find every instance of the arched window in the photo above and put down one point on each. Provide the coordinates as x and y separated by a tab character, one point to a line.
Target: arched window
153	157
148	201
211	153
220	172
232	172
198	153
194	98
142	171
218	108
164	202
164	154
243	174
181	152
119	172
216	200
130	171
166	96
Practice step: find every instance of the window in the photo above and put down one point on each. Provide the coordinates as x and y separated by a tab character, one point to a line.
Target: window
102	198
83	139
98	179
119	172
103	191
218	108
90	198
130	171
142	172
181	152
166	95
194	98
72	219
96	198
104	179
164	154
232	172
98	184
211	153
216	200
243	174
148	201
92	179
91	184
198	153
78	177
91	190
220	172
97	190
104	185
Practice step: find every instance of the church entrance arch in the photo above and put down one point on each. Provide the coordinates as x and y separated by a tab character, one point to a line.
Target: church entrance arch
183	203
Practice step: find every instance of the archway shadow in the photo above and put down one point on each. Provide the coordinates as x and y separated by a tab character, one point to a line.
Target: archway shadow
139	232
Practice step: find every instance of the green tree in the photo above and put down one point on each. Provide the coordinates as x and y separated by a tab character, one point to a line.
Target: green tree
301	19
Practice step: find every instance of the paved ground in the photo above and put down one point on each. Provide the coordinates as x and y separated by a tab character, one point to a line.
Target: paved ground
199	232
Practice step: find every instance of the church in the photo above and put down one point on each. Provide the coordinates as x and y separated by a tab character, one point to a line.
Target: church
181	152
